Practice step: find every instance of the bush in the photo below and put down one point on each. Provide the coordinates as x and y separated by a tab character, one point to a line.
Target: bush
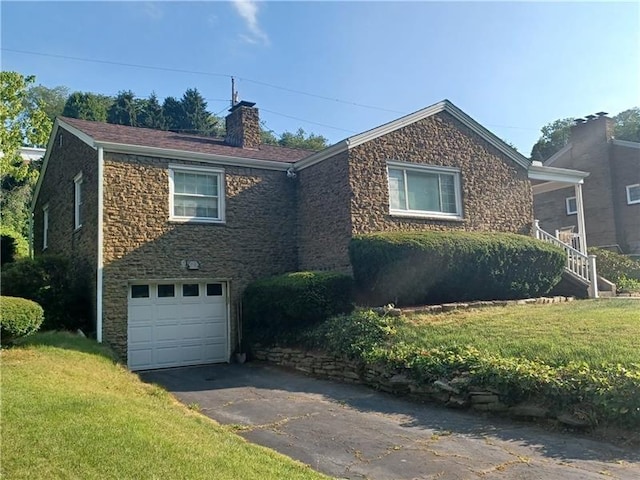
50	281
277	306
18	317
620	269
12	246
436	267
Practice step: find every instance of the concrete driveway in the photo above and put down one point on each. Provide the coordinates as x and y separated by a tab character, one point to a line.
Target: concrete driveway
349	431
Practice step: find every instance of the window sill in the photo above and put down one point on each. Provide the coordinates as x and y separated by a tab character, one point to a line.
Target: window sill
196	221
426	216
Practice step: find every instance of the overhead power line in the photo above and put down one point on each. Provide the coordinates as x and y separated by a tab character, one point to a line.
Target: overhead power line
196	72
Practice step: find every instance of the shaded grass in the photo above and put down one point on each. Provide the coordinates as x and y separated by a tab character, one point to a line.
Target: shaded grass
68	411
591	331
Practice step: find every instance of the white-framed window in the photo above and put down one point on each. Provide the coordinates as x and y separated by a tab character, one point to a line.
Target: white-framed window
424	191
77	203
572	205
633	194
196	194
45	227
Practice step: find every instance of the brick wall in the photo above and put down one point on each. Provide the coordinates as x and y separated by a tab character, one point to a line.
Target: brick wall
625	170
57	190
257	240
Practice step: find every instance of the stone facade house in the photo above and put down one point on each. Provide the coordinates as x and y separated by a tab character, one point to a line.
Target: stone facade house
611	192
169	228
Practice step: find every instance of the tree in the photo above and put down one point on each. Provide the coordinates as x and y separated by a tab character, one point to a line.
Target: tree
125	109
87	106
173	113
51	100
627	125
151	115
19	126
300	140
555	135
195	115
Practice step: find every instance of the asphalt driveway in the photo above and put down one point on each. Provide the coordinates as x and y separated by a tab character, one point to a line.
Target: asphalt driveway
350	431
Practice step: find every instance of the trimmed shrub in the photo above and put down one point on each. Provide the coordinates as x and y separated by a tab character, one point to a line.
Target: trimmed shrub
18	317
12	246
50	281
617	268
435	267
275	307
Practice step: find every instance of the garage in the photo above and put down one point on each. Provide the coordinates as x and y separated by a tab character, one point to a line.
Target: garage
176	324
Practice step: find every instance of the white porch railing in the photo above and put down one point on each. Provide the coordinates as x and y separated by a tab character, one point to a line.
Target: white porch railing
579	264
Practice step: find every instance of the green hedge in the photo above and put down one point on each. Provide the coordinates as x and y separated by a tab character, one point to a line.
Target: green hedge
12	246
275	307
622	270
435	267
18	317
50	281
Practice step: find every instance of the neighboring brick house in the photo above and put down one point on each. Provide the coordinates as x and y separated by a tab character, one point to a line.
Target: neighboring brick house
611	192
171	228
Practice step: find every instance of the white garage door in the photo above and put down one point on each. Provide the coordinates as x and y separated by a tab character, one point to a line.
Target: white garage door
177	324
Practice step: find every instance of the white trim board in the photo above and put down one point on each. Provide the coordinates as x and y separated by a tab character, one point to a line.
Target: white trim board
443	106
626	143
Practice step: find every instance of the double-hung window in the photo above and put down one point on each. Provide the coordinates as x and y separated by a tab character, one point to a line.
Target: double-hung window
572	205
196	194
421	191
77	204
633	194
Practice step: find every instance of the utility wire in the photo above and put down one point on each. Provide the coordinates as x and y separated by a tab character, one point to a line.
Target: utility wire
196	72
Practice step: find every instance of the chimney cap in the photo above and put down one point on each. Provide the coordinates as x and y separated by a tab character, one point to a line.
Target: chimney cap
242	103
578	121
590	117
602	114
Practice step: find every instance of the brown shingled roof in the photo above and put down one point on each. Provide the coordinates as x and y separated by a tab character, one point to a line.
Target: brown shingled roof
146	137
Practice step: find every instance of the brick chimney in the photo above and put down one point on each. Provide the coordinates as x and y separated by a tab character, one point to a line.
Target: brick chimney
593	129
243	126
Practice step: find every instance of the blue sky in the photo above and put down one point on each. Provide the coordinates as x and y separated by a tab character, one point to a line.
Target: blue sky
513	66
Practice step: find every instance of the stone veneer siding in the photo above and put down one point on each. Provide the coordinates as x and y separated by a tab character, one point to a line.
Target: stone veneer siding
257	240
496	192
58	190
324	219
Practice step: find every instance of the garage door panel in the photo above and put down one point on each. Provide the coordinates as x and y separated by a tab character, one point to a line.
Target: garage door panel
170	331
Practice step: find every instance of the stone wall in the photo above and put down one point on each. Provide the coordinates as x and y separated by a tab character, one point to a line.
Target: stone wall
258	238
68	157
457	392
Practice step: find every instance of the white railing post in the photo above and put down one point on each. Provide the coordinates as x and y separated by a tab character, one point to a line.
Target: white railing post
593	274
536	228
558	234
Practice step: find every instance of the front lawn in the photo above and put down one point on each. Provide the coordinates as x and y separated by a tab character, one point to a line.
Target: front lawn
594	332
68	411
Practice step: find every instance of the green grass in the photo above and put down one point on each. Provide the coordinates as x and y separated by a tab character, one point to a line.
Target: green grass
591	331
68	411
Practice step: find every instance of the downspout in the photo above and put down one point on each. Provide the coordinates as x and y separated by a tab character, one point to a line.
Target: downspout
100	244
31	248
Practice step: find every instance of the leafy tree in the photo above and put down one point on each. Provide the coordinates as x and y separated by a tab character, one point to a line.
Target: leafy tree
555	135
126	109
301	140
51	100
628	125
87	106
151	115
19	126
